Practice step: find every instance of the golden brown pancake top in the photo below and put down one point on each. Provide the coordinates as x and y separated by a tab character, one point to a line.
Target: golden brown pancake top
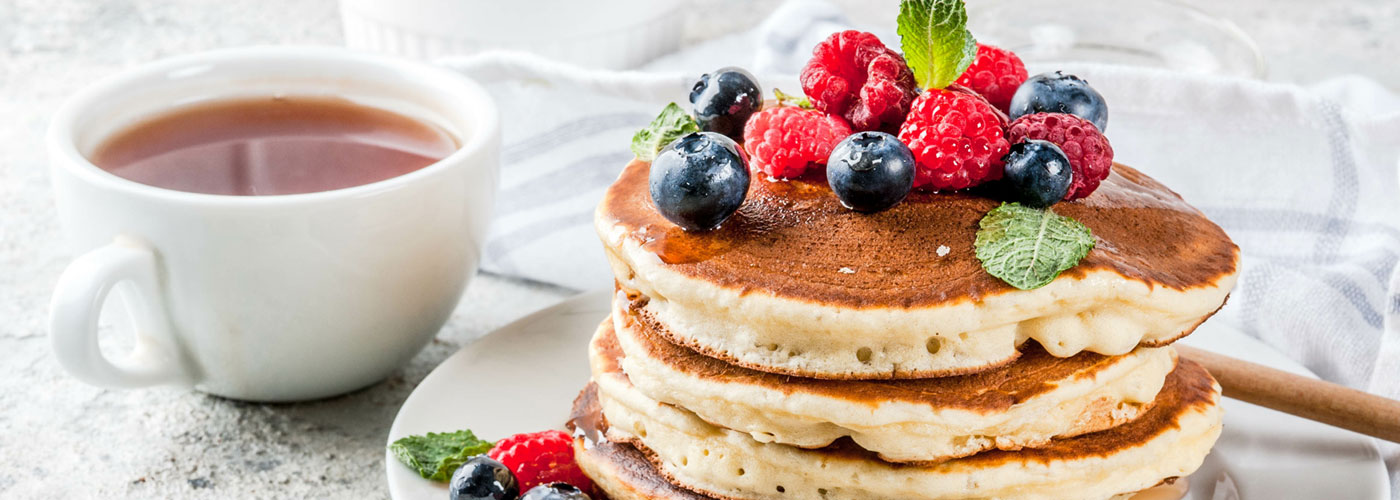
988	392
792	238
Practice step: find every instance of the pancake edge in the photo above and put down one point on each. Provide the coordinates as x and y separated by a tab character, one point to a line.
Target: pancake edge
1113	392
1202	412
623	472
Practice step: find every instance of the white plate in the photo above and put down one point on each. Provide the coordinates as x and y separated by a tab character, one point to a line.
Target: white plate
524	376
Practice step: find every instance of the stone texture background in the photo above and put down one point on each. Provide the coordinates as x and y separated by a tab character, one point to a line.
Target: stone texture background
63	439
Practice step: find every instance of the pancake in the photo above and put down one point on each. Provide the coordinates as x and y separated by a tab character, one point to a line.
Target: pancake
624	473
796	284
1024	404
1170	440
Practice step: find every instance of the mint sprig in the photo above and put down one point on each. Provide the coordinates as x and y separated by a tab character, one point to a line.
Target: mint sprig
1027	247
673	123
436	455
935	40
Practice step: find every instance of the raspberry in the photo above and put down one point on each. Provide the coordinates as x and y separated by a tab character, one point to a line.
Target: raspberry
996	74
782	142
853	75
1090	155
956	137
541	458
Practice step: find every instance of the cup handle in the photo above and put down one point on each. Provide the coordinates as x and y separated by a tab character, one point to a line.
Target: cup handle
77	304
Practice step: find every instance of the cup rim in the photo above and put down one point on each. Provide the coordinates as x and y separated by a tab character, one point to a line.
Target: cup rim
62	141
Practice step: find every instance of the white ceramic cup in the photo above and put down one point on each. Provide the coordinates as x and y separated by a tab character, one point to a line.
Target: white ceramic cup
269	298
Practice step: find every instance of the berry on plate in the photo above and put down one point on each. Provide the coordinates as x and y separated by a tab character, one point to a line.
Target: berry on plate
870	171
1089	152
555	491
699	180
996	74
1058	92
724	99
541	458
853	75
784	141
956	137
483	478
1037	173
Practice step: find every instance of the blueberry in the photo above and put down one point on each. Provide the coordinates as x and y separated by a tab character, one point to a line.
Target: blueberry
1060	93
699	180
724	99
555	491
483	478
870	171
1037	174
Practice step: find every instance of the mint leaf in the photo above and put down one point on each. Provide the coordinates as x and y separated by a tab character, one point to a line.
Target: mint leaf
671	124
437	455
935	40
800	101
1027	247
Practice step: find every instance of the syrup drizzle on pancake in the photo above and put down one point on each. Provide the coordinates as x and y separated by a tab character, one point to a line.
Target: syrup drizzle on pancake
794	239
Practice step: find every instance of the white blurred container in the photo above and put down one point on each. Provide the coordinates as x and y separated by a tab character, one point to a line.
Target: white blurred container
615	34
1168	34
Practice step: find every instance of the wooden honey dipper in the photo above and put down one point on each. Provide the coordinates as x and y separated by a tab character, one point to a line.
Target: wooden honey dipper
1301	396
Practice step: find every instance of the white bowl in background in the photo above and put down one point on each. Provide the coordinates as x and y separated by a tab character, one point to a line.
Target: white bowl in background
1167	34
612	35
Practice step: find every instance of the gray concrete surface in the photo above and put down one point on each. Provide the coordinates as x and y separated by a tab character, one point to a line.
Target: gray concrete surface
62	439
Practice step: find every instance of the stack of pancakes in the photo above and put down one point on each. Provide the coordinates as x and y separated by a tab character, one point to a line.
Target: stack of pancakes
806	351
